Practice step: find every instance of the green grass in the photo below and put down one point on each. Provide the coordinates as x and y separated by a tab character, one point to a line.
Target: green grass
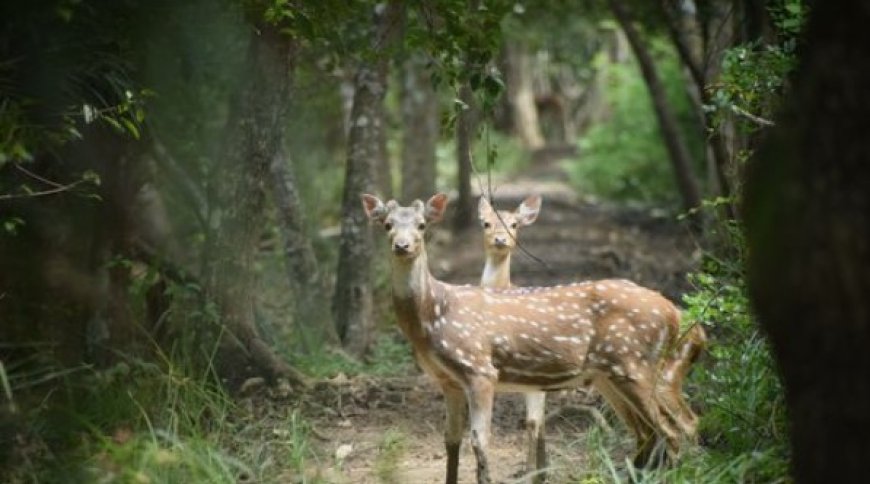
390	356
390	450
142	422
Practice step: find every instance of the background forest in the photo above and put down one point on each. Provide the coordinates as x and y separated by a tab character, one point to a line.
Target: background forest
191	292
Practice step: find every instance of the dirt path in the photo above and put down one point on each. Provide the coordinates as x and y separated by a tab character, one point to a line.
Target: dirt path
390	430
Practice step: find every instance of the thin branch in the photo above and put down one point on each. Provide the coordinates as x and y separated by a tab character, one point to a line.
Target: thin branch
751	117
36	177
53	191
679	40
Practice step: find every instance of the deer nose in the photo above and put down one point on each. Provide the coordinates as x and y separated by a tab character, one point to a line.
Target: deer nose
401	246
500	240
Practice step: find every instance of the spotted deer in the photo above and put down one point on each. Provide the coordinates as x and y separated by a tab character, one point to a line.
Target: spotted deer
474	341
500	230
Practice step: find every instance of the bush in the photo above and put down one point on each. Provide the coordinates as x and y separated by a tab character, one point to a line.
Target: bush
143	422
737	387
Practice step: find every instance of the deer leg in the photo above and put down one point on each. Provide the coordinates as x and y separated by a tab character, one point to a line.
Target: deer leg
456	419
536	457
640	396
674	406
691	347
480	394
621	407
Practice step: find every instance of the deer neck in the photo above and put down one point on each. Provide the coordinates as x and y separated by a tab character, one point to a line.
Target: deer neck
413	294
496	271
411	278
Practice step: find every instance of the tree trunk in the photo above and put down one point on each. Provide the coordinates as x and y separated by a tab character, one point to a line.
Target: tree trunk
808	224
421	126
680	157
465	130
311	314
383	174
718	27
521	96
685	33
254	139
352	303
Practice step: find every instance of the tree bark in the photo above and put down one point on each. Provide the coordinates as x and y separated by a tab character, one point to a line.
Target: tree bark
466	125
311	314
383	170
678	151
254	138
685	33
521	97
808	224
421	126
352	302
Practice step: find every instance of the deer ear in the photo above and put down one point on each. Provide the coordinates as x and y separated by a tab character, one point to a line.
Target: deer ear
374	207
528	211
483	208
435	207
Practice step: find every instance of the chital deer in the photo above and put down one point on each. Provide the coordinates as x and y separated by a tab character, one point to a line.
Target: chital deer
474	341
500	230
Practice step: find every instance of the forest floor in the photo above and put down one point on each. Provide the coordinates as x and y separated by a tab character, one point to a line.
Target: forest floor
369	429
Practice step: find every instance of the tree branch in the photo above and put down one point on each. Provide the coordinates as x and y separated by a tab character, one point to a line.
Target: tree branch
751	117
59	189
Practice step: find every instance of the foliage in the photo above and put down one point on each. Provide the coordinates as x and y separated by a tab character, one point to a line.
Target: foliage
623	157
91	72
390	355
739	391
391	448
754	74
150	422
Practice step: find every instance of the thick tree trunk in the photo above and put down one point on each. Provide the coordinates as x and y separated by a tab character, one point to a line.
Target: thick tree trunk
808	224
311	310
421	126
352	303
254	139
465	131
521	96
680	158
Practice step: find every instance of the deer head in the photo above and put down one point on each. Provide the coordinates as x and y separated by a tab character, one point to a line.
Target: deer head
405	226
500	227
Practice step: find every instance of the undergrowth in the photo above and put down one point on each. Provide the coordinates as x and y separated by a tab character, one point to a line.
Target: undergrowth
144	422
390	356
735	388
391	449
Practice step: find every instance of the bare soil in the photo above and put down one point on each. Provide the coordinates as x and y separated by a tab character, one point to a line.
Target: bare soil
371	430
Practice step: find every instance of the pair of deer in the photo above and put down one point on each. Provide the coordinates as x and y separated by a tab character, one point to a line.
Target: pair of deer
474	341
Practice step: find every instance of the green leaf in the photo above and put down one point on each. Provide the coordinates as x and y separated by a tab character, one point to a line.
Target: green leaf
114	123
131	128
92	177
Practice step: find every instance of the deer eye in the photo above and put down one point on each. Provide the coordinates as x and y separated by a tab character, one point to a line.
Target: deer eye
486	225
514	225
421	227
388	226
